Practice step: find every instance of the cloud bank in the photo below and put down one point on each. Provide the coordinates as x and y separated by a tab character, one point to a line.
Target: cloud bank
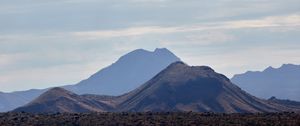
59	42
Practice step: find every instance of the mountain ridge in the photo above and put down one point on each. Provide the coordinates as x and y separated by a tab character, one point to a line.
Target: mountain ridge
180	87
135	68
282	82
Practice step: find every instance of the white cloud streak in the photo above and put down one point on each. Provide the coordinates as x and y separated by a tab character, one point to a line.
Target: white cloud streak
183	19
200	39
272	21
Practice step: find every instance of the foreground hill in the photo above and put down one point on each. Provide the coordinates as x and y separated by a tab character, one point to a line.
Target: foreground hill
129	70
61	100
177	88
194	88
283	82
286	102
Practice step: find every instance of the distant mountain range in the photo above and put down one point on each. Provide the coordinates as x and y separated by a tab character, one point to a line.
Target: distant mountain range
129	72
282	82
179	87
10	101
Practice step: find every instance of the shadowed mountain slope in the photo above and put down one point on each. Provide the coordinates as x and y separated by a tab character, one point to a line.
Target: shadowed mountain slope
61	100
194	88
290	103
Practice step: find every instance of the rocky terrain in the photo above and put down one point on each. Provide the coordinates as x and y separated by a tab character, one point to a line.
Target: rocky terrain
150	119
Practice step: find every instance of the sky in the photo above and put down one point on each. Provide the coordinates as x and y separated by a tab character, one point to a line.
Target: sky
46	43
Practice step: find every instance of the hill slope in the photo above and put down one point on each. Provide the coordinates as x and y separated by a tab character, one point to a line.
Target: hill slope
286	102
61	100
191	88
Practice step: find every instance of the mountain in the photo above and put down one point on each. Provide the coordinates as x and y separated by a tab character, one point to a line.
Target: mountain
126	74
282	82
10	101
290	103
179	87
61	100
194	88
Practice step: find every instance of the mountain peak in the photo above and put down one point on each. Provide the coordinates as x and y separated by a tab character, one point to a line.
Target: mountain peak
157	50
58	91
179	65
269	68
289	66
180	71
162	53
283	66
131	70
272	98
139	50
162	50
54	93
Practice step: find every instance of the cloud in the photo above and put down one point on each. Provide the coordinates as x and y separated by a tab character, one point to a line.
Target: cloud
148	1
271	21
10	59
5	60
200	39
46	38
214	37
134	31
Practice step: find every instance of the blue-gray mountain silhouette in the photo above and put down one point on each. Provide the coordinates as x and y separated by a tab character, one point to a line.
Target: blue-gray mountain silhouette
179	87
283	82
129	72
9	101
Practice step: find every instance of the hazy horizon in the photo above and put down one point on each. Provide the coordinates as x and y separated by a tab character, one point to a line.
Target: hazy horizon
54	43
